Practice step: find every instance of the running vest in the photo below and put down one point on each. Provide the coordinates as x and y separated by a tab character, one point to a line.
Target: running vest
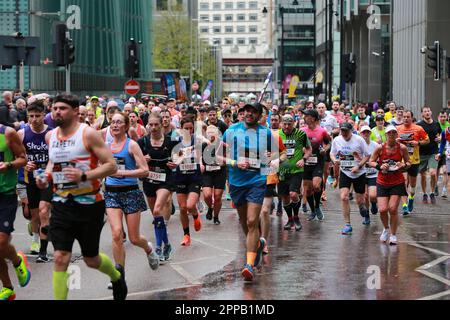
159	173
105	123
8	180
73	152
392	177
188	165
125	161
37	151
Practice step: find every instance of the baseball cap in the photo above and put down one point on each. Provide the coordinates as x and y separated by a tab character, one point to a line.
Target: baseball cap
132	100
311	112
346	126
257	106
207	102
288	118
172	100
365	128
390	129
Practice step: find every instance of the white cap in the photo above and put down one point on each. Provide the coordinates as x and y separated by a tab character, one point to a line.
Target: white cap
391	128
207	102
156	110
132	100
365	128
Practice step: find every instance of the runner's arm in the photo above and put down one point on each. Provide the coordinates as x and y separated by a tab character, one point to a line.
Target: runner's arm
141	170
17	148
373	161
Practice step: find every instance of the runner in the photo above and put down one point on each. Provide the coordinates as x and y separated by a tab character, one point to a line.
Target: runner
104	120
275	126
12	157
298	150
378	133
157	149
443	117
390	159
33	139
398	119
349	151
187	178
313	176
136	131
413	136
371	173
247	143
336	113
122	196
79	159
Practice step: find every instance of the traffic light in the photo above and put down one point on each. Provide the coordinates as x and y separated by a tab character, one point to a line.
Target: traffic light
69	53
349	67
435	55
59	44
132	65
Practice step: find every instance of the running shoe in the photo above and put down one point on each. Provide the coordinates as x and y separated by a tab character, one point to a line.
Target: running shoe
405	210
22	271
324	196
432	198
425	198
186	241
385	235
319	214
393	240
216	221
410	204
312	216
198	224
119	287
247	272
444	193
7	294
209	215
34	248
30	229
289	225
153	258
259	251
228	197
304	208
297	223
42	258
160	254
348	230
366	221
167	251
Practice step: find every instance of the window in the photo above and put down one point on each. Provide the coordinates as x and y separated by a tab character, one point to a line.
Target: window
217	29
241	5
228	42
217	5
240	41
241	29
228	17
216	41
253	29
228	5
253	41
162	5
204	30
217	17
228	29
204	18
253	17
253	5
241	17
204	6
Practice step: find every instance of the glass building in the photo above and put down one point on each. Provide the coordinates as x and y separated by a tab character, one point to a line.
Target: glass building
101	43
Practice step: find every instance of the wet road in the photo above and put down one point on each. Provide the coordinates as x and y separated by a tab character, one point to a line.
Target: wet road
317	263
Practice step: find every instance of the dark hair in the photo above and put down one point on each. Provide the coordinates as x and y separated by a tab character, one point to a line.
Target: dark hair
36	107
69	99
409	111
187	119
276	115
424	107
443	111
211	109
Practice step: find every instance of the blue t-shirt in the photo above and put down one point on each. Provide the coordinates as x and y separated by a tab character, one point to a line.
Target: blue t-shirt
250	144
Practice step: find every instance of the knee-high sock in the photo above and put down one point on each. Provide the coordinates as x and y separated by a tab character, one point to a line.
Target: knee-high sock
317	196
288	210
60	288
160	231
107	267
296	208
311	203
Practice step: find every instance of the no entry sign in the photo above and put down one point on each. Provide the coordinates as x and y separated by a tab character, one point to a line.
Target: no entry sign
132	87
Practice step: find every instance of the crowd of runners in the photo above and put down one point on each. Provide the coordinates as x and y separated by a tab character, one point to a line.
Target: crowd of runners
75	165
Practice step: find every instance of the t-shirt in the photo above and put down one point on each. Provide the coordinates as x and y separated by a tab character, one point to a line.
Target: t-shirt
388	116
294	143
444	126
317	137
412	133
378	135
350	153
433	130
338	116
220	124
371	172
272	177
250	145
48	120
329	123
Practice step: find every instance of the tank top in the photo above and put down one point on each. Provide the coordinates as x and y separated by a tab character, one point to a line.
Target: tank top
105	123
109	139
124	161
37	151
392	177
8	180
188	168
73	152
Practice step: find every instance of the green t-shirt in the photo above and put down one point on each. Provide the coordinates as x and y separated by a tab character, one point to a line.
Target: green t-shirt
377	135
294	143
444	126
8	180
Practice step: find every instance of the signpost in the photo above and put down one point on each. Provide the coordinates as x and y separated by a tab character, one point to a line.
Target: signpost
132	87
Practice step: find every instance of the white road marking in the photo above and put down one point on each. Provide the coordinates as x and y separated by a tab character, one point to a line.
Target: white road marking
436	296
186	275
212	246
199	259
141	293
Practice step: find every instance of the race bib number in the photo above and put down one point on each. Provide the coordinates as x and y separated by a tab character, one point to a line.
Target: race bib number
60	179
157	176
120	162
212	168
348	164
410	149
371	171
312	161
254	163
188	167
290	152
268	171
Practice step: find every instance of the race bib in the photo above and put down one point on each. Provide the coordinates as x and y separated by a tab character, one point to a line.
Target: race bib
60	179
120	162
371	171
410	149
157	176
267	171
212	168
254	163
348	164
312	161
290	152
188	167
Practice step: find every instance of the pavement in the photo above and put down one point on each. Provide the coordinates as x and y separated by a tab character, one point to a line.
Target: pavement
317	263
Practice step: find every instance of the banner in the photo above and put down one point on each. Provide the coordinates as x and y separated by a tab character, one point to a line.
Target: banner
207	92
286	83
266	84
293	86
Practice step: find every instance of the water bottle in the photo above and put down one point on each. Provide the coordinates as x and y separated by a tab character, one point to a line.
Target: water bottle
41	175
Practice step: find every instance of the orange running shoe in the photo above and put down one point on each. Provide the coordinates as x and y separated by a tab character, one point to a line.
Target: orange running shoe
198	224
186	241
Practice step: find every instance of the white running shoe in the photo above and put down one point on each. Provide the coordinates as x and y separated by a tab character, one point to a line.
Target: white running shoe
385	235
393	240
153	258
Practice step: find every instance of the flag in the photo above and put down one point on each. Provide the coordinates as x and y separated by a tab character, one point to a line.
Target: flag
266	84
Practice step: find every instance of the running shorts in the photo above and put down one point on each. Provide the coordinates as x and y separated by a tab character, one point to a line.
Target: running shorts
359	184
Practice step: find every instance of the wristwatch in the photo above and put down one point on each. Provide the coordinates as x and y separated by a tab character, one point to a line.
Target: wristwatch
84	177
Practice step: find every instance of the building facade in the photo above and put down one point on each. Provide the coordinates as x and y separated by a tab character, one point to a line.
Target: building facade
100	44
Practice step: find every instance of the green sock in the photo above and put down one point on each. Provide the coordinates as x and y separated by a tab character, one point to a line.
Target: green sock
107	267
60	289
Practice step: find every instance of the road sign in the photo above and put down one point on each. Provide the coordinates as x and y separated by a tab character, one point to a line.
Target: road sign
132	87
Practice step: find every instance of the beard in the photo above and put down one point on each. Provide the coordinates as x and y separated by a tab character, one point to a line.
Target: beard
59	122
